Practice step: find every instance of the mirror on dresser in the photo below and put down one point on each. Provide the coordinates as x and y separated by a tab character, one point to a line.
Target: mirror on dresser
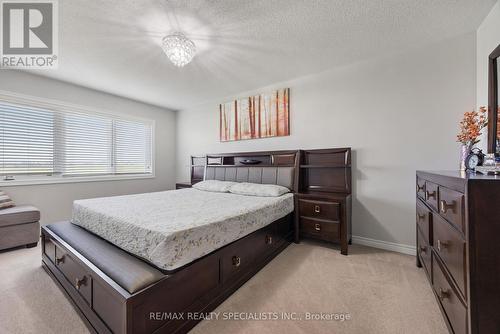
493	105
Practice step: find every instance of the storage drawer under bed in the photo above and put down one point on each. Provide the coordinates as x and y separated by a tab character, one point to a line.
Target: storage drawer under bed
74	273
83	289
242	255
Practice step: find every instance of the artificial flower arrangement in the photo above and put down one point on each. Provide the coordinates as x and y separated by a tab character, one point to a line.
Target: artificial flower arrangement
470	132
471	126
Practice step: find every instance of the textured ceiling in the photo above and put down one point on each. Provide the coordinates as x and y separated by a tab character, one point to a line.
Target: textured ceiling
114	45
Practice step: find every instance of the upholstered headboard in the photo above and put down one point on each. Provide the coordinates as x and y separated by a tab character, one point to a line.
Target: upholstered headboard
283	176
268	167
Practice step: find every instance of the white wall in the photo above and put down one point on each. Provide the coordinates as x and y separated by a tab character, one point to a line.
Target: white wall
399	114
55	200
488	38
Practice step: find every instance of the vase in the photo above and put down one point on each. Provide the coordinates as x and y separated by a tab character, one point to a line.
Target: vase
464	152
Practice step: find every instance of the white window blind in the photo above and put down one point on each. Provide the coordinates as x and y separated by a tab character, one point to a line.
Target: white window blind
86	144
131	154
26	139
72	143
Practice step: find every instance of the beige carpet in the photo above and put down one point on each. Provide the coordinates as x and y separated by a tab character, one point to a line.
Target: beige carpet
382	292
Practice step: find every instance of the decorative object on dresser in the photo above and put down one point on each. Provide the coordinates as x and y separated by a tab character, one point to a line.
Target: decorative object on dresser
493	103
457	227
490	165
489	170
323	203
470	132
183	185
474	159
259	116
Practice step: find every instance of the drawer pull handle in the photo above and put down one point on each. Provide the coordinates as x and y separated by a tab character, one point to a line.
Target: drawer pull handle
423	249
317	227
420	217
79	282
442	244
236	261
431	194
419	188
317	209
269	239
445	206
59	260
443	294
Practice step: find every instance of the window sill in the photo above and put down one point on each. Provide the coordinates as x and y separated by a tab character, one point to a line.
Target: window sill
76	179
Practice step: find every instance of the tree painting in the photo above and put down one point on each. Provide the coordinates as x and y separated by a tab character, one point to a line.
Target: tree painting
258	116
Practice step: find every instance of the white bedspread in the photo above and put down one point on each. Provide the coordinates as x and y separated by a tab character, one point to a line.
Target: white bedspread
173	228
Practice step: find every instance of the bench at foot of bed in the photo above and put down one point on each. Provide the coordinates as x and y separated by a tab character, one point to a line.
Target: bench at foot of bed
115	292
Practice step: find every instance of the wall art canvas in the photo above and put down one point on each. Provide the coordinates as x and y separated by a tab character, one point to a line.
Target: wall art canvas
258	116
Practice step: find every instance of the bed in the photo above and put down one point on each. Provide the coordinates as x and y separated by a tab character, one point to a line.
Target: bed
173	228
129	262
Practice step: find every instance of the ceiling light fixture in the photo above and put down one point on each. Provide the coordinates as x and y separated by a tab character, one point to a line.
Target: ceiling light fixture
178	48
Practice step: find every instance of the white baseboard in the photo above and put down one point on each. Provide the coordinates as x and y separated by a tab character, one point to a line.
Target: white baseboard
390	246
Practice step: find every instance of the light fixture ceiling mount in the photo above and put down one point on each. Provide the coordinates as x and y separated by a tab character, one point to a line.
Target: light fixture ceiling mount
178	48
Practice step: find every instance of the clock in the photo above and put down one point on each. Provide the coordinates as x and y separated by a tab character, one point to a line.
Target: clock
474	159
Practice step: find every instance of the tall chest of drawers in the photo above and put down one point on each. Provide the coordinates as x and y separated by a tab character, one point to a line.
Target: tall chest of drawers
458	246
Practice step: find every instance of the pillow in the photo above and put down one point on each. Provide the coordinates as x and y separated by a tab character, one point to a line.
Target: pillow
214	185
5	201
255	189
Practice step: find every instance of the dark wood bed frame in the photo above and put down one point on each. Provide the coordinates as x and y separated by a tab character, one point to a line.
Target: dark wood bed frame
195	289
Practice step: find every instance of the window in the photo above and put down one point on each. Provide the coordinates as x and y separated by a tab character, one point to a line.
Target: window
26	139
40	140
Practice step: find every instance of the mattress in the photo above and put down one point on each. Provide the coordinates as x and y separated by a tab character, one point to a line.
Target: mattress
173	228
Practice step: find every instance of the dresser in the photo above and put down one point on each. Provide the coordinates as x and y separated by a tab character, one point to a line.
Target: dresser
323	202
458	246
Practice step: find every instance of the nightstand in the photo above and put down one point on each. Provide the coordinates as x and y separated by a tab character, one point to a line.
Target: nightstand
324	217
182	185
323	202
